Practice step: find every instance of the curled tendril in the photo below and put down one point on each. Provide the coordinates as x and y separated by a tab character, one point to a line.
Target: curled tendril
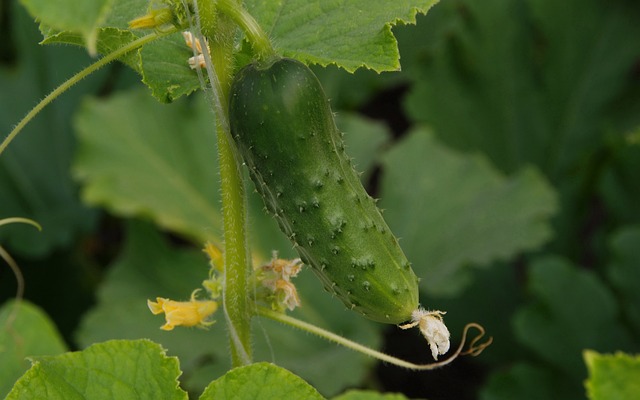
4	255
474	349
13	265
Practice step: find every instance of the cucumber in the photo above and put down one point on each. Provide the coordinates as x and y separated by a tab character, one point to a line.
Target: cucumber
283	126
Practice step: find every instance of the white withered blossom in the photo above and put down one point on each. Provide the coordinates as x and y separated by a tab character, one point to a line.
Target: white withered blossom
432	328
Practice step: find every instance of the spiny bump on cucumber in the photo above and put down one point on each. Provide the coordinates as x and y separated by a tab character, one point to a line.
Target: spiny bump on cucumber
282	123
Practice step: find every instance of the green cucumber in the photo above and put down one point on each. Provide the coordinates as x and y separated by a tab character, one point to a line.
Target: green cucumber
282	123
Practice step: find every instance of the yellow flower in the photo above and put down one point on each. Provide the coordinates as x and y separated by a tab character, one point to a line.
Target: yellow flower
153	19
183	313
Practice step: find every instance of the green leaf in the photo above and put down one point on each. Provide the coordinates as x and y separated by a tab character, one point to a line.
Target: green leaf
110	40
25	330
452	210
350	34
369	395
116	369
571	310
163	63
262	381
83	17
165	69
612	376
624	274
34	178
166	161
110	31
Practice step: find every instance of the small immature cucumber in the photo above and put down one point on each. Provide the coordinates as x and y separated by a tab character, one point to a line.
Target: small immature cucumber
282	123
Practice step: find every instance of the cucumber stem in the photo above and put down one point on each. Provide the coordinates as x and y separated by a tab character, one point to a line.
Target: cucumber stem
474	348
236	260
77	78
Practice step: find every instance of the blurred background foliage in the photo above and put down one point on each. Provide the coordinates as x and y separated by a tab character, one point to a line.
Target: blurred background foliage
506	154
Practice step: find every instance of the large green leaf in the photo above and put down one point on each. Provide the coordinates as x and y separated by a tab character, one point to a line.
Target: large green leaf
165	68
79	16
34	178
116	369
163	64
571	310
260	381
166	161
59	25
612	376
350	34
453	210
25	330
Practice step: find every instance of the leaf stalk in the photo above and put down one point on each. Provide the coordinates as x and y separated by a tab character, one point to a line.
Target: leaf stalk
253	31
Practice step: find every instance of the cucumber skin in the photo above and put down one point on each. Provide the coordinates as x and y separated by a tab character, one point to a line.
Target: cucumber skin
283	126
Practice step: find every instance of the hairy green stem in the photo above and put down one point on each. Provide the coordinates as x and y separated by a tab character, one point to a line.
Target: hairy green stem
235	294
220	31
77	78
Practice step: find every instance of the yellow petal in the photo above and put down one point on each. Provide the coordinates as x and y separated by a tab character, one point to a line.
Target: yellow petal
154	19
215	255
156	307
